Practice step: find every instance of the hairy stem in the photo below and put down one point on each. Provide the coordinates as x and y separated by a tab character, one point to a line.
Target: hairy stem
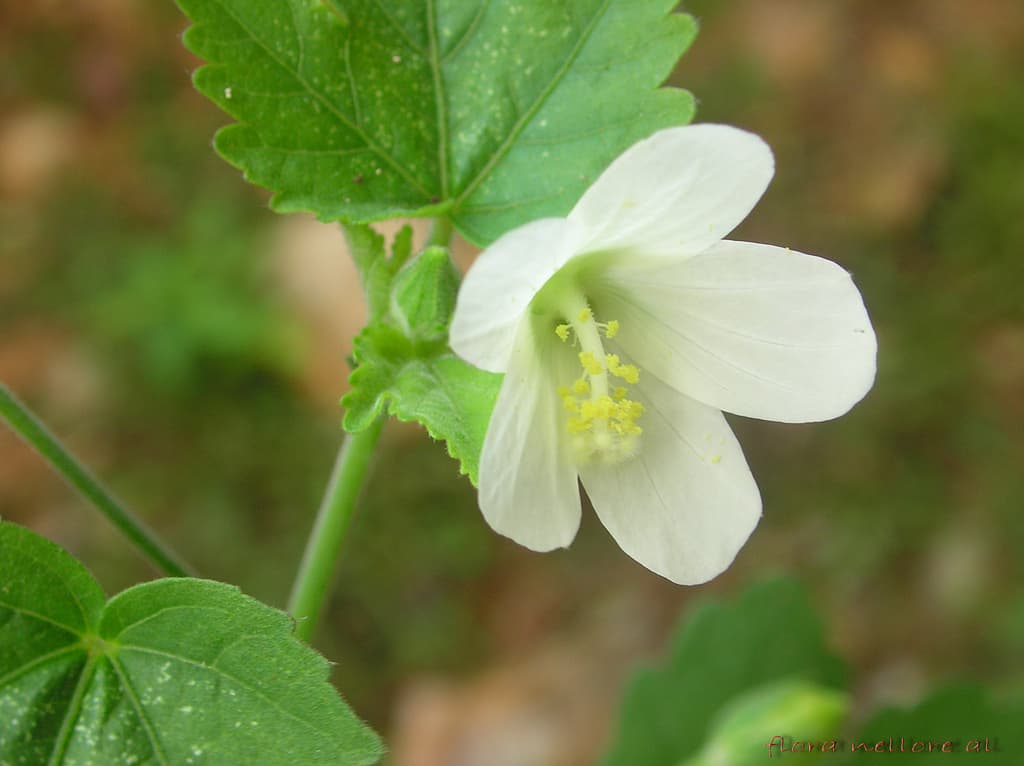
440	232
313	582
24	423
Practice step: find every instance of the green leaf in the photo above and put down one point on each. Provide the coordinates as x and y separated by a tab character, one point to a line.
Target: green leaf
964	716
449	397
779	712
174	671
722	651
430	385
403	364
495	113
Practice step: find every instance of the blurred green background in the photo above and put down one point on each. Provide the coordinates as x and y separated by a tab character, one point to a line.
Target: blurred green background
192	346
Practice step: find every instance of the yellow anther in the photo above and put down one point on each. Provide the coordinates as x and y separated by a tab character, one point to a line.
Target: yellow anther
635	409
578	425
628	372
601	418
590	363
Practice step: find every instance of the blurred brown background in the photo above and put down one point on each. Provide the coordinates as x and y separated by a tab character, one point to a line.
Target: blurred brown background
191	345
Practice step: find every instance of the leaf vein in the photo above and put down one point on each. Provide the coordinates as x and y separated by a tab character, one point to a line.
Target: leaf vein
510	205
352	82
40	660
470	32
165	610
330	105
137	704
214	669
41	618
402	31
439	99
506	145
60	743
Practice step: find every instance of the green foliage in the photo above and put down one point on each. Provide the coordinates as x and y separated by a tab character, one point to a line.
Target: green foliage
964	716
193	305
372	109
789	709
743	673
172	671
404	364
769	634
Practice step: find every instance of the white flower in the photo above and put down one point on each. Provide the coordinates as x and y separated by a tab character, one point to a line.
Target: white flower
627	328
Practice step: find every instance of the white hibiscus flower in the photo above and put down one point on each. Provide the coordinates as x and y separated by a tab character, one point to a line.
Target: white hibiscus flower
627	328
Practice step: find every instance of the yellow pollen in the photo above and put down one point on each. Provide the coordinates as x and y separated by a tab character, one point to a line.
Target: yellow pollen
578	425
590	363
628	372
601	419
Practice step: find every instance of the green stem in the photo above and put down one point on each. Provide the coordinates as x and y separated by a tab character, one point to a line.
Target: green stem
324	546
24	423
440	232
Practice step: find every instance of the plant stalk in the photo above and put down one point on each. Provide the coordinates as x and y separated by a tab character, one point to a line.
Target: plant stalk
313	582
30	428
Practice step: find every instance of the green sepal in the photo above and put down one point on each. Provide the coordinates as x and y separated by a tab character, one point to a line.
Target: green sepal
423	296
375	270
404	366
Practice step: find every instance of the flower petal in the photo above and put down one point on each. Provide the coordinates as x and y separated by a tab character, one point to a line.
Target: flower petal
501	283
757	330
676	192
528	487
686	504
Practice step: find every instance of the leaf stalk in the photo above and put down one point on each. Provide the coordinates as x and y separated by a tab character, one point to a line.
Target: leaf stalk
30	428
440	232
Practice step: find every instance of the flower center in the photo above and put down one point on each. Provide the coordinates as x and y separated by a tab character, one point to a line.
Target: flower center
601	418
